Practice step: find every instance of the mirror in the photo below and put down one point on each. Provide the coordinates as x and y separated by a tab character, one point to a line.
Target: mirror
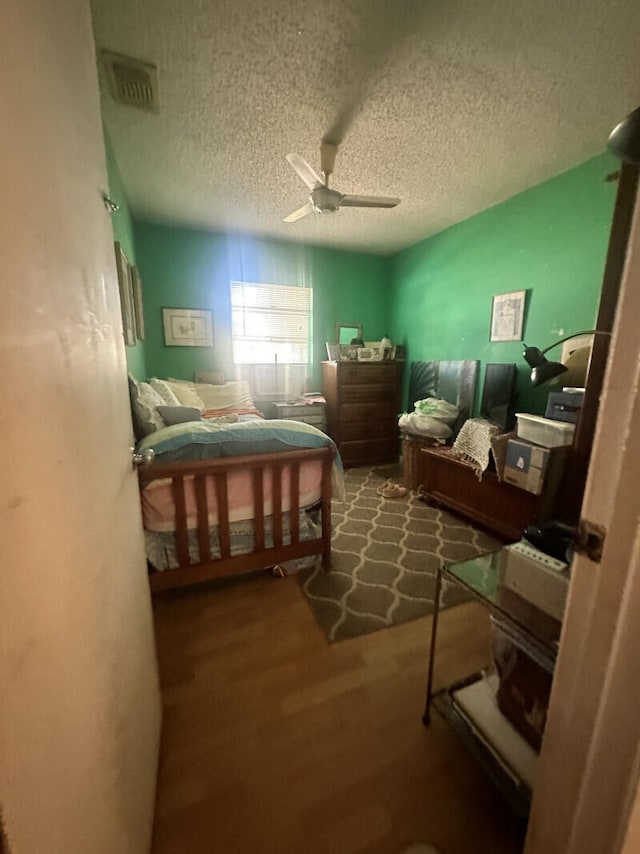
345	332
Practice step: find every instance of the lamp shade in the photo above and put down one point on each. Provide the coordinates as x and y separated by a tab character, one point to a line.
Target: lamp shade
541	369
546	371
624	139
533	356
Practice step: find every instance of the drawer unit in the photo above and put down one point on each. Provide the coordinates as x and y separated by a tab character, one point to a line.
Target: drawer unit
308	413
363	403
373	393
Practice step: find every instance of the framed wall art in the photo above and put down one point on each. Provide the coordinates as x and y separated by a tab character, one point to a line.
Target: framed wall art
126	296
507	316
187	327
136	286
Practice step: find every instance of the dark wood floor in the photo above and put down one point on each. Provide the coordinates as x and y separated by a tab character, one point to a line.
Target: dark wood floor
275	740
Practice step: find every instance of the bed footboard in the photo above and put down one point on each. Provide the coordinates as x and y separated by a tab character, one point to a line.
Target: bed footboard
264	553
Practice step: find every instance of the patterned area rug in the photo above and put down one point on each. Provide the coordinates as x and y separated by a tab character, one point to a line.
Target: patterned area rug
385	552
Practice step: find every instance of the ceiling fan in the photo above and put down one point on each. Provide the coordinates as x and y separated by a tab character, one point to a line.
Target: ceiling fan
323	199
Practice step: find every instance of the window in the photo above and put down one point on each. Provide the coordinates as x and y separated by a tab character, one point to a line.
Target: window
271	324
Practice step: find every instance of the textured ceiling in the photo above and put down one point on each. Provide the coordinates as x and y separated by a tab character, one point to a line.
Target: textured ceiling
453	106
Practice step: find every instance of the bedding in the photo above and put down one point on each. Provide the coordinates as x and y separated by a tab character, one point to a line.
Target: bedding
161	403
185	392
184	509
158	508
162	553
203	440
145	401
165	391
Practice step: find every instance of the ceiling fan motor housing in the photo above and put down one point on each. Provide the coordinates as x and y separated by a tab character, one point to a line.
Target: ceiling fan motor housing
324	200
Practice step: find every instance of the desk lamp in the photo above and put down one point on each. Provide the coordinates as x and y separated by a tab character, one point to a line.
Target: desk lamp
624	139
543	370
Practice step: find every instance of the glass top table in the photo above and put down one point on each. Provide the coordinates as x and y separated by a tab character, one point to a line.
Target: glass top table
484	577
528	627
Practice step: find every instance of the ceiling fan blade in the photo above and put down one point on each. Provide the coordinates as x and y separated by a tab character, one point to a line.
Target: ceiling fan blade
303	211
328	153
369	202
306	172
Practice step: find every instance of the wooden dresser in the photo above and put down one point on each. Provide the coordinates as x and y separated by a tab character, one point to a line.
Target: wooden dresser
363	403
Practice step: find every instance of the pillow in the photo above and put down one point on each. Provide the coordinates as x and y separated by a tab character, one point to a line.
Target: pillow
144	402
185	392
179	414
210	377
234	395
165	391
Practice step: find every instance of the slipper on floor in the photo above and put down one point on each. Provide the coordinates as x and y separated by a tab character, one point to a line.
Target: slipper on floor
392	490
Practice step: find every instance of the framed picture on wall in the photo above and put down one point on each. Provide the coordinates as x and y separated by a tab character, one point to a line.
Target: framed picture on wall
126	296
187	327
136	285
507	316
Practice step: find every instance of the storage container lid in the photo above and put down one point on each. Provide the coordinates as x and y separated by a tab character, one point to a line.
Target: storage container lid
562	426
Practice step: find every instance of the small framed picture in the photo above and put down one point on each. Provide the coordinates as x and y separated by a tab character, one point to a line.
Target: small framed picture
333	351
126	296
348	353
376	349
507	316
365	354
187	327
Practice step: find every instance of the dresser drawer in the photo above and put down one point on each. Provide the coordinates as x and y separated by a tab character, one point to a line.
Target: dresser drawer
360	373
383	410
372	429
374	392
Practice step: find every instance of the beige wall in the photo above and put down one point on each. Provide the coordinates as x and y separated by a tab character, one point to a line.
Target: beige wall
79	706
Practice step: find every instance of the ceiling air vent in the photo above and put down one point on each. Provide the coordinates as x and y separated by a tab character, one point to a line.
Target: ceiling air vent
133	83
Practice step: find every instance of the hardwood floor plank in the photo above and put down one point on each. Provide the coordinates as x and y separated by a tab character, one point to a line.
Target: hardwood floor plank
275	740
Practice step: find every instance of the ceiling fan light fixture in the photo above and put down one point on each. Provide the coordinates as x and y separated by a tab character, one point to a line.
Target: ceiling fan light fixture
324	199
325	209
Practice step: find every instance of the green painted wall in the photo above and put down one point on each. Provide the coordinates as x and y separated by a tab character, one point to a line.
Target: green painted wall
550	240
123	232
186	268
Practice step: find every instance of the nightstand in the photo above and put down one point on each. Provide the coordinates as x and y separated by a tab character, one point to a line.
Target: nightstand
309	413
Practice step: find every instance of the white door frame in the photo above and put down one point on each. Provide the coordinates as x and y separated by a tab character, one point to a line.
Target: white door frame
587	777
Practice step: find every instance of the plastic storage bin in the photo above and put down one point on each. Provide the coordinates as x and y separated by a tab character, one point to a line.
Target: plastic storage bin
544	431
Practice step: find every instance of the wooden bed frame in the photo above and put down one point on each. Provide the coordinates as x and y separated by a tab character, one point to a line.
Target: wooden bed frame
262	555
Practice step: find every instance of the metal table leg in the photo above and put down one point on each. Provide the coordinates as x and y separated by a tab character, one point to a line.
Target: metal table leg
426	718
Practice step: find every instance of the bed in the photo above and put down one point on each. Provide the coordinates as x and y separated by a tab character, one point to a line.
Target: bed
230	492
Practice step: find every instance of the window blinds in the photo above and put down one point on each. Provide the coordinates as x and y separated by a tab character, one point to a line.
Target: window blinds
271	324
